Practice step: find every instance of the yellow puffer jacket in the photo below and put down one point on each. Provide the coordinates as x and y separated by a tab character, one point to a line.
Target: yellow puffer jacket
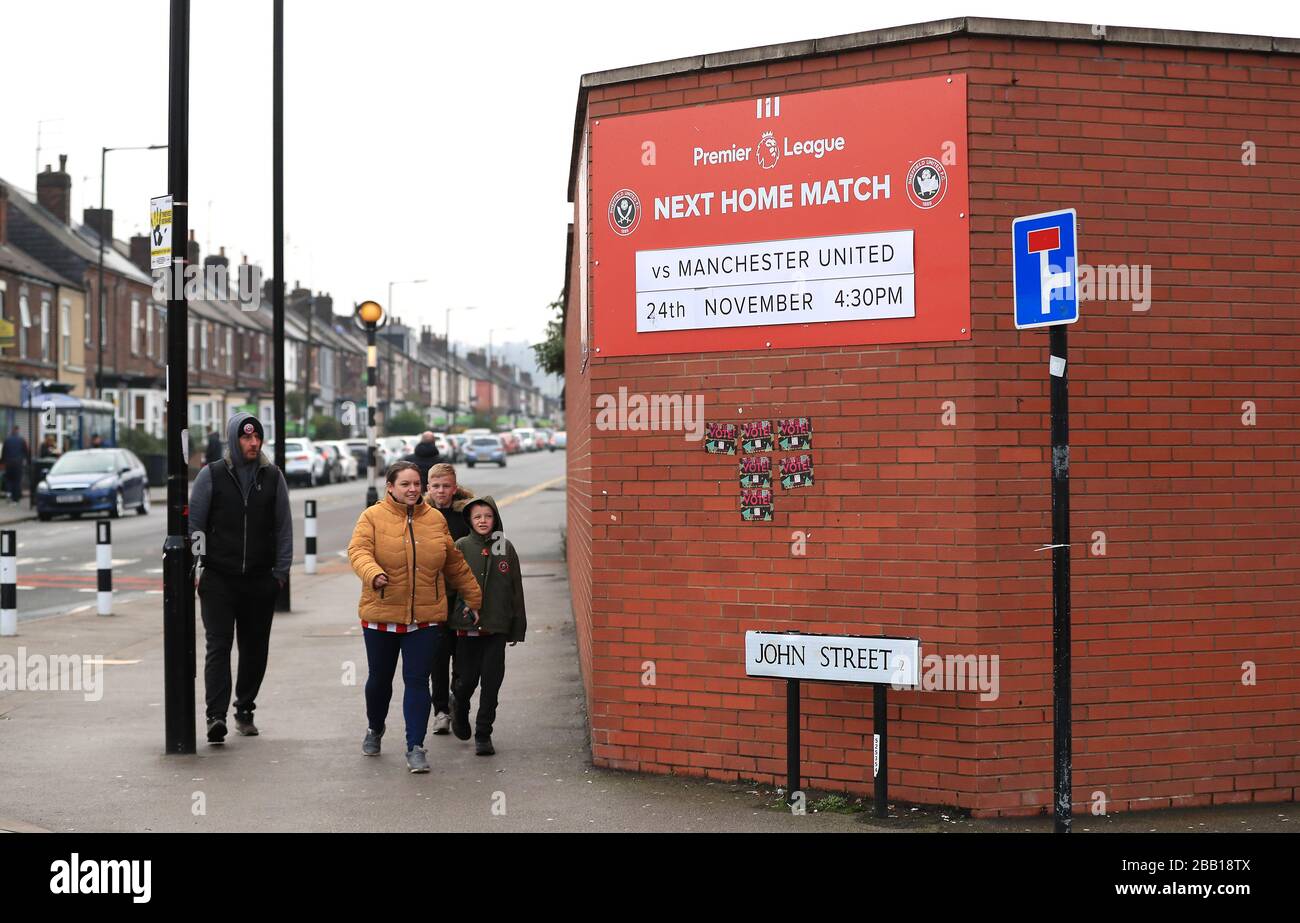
414	548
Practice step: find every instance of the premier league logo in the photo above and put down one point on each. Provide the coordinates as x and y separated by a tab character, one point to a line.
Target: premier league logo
926	183
624	212
766	151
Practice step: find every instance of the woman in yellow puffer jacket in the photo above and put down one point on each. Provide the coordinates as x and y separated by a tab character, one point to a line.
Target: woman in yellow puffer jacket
401	549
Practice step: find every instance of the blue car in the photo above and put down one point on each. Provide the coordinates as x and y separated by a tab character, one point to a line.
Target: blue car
94	481
486	449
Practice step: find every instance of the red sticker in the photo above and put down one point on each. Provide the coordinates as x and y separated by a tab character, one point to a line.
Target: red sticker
504	567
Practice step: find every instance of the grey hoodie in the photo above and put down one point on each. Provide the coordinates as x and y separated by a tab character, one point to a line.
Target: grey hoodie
201	494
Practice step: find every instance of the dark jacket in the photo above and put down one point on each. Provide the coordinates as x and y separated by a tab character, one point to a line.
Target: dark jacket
214	449
496	567
456	524
424	457
14	451
242	509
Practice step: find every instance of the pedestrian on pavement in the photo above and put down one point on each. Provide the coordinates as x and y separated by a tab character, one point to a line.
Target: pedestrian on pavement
48	448
402	551
239	506
214	449
96	442
448	498
482	636
13	455
424	457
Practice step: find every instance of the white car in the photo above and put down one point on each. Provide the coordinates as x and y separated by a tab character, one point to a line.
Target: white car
348	460
526	441
446	451
302	463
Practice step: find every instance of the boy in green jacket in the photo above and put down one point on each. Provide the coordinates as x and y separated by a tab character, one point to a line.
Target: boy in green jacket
481	641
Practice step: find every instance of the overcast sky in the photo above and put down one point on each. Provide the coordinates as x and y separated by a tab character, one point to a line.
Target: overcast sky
422	140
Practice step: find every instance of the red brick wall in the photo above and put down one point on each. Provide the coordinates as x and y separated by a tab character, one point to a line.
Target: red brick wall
930	530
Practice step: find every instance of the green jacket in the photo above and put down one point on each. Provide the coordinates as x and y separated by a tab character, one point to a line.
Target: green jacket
496	567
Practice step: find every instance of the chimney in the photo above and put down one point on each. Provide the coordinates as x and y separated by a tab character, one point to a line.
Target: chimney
4	213
54	190
213	259
325	308
477	358
140	252
99	220
192	252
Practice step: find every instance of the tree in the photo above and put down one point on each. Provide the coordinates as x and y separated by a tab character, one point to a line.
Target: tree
550	352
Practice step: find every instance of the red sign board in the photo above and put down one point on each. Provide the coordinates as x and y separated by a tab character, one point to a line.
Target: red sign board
826	218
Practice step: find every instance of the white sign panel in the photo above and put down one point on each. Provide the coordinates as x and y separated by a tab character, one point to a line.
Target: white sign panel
160	232
809	280
833	658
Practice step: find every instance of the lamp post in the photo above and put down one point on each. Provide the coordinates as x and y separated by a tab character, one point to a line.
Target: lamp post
451	375
99	232
370	316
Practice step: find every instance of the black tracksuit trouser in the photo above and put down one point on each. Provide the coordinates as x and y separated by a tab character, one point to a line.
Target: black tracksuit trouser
480	661
236	608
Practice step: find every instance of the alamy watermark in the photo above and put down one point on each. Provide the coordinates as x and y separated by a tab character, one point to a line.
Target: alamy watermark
25	672
1131	283
649	412
211	282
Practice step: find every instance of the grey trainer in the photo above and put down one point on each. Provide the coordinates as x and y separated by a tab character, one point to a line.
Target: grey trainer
417	760
370	746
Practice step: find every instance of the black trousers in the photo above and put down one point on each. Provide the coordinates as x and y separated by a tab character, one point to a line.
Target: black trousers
443	673
480	661
14	482
236	609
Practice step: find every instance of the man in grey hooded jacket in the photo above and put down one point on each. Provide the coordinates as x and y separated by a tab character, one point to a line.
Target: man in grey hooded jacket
239	510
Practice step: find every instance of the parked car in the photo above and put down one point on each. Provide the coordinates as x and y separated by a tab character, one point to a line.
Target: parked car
541	438
446	451
348	464
525	436
360	449
459	442
302	463
93	481
510	441
471	433
333	461
559	440
486	449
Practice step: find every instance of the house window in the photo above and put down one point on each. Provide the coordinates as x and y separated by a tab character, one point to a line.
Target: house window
162	335
135	326
139	420
230	348
65	331
148	330
24	321
85	318
203	344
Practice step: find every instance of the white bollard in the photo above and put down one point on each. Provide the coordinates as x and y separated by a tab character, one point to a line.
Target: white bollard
8	583
104	563
309	533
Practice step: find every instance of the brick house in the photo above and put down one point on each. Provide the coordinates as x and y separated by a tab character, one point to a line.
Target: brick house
1174	147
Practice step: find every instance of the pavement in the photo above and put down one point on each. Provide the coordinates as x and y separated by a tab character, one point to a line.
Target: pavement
74	761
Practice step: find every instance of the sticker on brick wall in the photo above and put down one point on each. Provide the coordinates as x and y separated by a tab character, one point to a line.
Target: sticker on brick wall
756	504
796	471
756	436
756	471
795	433
720	438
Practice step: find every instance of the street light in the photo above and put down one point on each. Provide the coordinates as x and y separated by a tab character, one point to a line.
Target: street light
99	232
370	316
390	342
446	348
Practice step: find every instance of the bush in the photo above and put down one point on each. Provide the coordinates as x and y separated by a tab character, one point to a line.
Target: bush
326	427
141	443
405	423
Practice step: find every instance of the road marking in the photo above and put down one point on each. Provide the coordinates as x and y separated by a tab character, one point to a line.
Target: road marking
525	494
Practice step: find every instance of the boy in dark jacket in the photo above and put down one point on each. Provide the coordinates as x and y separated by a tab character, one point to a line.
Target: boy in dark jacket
481	642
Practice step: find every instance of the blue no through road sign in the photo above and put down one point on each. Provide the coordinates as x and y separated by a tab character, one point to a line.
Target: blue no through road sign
1044	255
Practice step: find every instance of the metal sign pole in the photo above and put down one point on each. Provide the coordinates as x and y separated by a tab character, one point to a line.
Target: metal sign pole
880	747
791	738
1061	725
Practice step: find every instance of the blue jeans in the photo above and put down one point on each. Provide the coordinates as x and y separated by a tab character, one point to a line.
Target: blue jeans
417	649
